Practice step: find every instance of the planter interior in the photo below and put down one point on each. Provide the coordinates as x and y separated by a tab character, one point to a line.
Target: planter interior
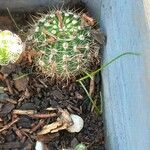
126	104
24	7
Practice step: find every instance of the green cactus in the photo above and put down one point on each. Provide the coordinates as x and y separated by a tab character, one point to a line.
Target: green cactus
11	47
63	42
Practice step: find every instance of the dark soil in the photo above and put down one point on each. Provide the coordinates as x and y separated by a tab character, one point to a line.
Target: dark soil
23	87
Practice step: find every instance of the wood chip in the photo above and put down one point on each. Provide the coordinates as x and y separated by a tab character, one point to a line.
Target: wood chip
24	112
78	95
11	101
11	145
48	128
42	116
63	122
21	83
47	137
51	109
6	109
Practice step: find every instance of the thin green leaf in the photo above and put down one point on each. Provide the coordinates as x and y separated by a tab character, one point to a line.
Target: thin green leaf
107	64
93	103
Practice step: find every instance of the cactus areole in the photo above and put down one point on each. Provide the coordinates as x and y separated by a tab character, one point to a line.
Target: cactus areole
11	47
64	41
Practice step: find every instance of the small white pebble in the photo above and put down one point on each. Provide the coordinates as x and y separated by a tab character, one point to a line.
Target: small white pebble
77	124
39	145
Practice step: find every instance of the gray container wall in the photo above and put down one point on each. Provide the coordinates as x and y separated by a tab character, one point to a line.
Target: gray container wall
126	82
30	5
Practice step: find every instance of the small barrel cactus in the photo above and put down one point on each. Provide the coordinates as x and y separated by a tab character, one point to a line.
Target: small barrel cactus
64	41
11	47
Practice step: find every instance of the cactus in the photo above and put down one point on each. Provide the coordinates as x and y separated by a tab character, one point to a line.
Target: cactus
64	42
11	47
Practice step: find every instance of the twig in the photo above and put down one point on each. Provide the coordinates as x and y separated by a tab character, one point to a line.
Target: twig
43	83
20	77
9	125
40	124
18	132
42	116
24	132
24	112
33	114
11	101
13	19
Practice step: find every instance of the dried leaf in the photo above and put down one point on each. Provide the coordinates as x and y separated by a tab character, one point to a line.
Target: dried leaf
48	128
63	122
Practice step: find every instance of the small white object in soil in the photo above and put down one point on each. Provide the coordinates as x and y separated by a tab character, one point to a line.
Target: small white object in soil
12	44
39	145
77	124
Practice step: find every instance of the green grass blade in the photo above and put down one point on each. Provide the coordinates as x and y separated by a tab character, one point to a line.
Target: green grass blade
93	103
107	64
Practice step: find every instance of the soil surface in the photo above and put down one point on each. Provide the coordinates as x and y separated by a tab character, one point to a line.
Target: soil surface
23	87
